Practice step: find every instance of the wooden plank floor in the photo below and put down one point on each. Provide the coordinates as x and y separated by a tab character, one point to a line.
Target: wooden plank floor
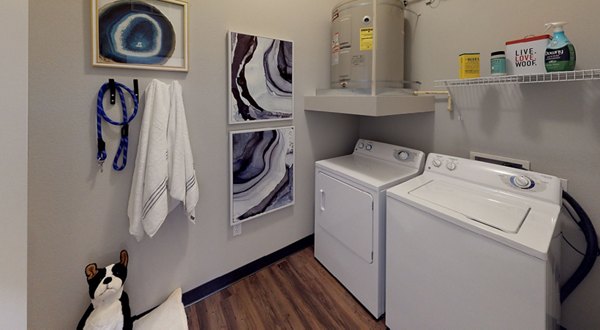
294	293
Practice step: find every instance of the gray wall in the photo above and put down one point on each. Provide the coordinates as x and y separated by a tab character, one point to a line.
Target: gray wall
77	215
555	126
13	165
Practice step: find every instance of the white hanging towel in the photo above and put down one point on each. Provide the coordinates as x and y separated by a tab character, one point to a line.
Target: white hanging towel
182	177
164	162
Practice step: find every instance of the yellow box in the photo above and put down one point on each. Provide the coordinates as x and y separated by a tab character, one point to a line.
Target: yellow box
468	65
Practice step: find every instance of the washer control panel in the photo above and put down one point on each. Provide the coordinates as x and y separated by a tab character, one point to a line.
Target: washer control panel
496	176
390	153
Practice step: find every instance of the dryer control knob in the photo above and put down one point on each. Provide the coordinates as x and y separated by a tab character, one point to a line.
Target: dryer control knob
369	147
403	155
451	166
361	145
436	163
522	182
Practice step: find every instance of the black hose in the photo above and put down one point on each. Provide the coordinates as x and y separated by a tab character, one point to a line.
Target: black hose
591	251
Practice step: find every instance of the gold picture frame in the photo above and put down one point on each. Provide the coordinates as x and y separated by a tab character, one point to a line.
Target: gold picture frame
140	34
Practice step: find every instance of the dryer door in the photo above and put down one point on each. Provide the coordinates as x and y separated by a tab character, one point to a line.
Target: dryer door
346	213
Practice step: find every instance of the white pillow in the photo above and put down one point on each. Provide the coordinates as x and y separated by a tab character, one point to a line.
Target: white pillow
170	315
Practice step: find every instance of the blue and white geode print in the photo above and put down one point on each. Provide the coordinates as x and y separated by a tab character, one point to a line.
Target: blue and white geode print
134	32
262	172
261	78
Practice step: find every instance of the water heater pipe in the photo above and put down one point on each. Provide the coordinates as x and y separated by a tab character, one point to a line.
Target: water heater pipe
374	51
437	93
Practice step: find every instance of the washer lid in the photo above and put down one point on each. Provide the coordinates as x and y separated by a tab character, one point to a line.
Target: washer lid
494	210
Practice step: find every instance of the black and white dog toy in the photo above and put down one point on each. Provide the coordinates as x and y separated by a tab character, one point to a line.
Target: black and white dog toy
110	304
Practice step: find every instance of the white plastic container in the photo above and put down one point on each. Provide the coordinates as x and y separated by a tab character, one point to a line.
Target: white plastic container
526	56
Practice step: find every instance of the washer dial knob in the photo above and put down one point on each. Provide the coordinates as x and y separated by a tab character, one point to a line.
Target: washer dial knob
436	163
361	145
451	166
522	182
403	155
369	147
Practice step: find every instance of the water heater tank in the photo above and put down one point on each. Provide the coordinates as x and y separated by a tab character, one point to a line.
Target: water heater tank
367	45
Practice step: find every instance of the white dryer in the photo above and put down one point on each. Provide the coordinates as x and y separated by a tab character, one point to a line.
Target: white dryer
350	215
472	245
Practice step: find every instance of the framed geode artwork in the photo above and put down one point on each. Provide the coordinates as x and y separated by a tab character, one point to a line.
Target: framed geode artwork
260	79
140	34
261	172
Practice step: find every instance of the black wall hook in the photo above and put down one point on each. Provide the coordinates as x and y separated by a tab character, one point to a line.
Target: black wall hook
136	88
111	86
112	89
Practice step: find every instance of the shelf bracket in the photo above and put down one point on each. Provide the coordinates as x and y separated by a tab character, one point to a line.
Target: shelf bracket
447	93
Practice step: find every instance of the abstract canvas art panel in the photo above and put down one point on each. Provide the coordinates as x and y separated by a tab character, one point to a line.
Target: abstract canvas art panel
262	172
260	79
140	34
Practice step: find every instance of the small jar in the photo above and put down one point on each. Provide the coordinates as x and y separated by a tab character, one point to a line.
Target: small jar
498	63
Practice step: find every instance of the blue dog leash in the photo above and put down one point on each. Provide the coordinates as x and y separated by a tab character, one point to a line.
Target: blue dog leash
100	114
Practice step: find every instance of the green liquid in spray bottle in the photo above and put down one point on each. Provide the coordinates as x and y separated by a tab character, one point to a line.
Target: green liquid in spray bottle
560	53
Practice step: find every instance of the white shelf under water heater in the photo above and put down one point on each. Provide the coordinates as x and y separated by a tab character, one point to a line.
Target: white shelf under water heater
384	104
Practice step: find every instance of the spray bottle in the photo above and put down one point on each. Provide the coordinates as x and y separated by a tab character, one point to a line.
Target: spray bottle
560	53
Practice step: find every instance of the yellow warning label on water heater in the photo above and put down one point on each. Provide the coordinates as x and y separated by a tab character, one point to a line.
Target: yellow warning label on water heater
366	38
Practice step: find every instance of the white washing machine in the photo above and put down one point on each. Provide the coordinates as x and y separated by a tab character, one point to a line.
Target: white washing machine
350	215
472	245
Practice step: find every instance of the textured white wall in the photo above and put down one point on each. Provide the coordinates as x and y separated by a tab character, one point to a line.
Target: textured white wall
555	126
77	215
13	165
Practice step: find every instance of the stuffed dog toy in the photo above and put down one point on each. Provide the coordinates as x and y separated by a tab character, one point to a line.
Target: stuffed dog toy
109	309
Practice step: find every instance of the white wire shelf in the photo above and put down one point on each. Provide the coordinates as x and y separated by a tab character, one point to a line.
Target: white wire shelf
592	74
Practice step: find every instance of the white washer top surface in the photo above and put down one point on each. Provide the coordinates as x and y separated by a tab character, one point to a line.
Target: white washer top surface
515	207
502	212
376	165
